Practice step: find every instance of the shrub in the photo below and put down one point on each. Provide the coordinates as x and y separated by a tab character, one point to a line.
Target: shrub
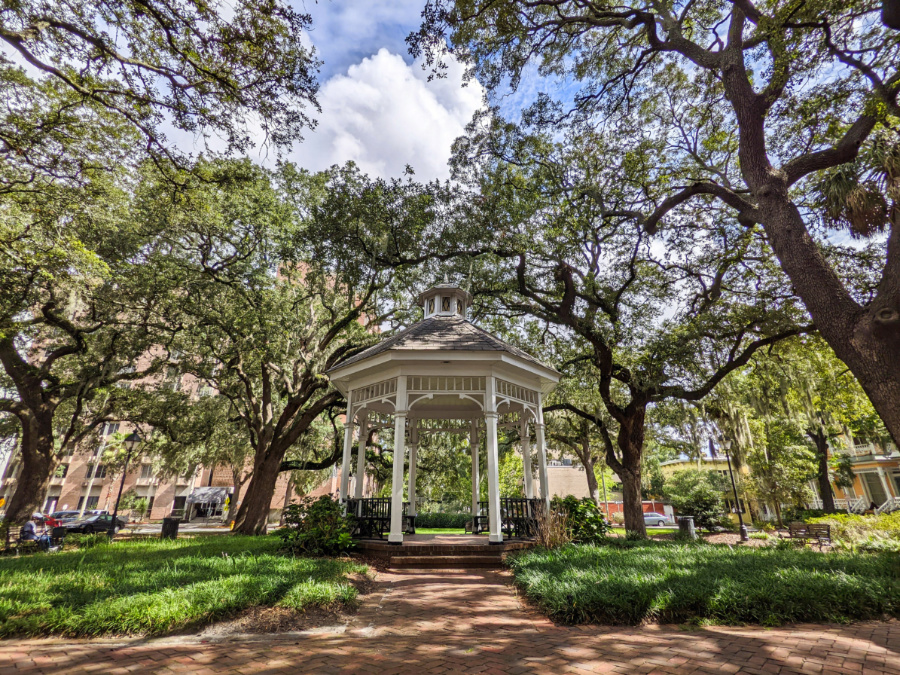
584	520
443	520
863	533
85	541
552	529
316	527
699	494
759	535
618	518
631	582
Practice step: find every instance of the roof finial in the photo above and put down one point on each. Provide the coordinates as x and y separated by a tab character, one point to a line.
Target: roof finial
446	278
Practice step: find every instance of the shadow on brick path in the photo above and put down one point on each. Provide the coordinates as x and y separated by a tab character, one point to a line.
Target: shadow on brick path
472	622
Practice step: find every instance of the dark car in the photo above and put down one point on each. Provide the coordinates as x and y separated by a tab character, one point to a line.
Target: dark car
95	524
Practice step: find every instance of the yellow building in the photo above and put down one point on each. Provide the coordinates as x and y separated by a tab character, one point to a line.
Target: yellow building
876	472
719	465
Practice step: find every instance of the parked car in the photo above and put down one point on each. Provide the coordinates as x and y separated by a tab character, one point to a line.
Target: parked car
95	524
653	518
64	516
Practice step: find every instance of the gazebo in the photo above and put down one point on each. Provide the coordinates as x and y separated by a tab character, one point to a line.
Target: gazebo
445	375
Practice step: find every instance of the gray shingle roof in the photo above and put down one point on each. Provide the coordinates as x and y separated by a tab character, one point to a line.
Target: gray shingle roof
441	333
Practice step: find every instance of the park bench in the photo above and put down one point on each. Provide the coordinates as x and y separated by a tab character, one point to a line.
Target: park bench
819	533
15	545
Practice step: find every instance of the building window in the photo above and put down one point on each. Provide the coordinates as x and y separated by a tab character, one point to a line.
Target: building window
459	306
431	306
150	505
112	428
61	471
99	471
445	305
146	471
92	503
50	504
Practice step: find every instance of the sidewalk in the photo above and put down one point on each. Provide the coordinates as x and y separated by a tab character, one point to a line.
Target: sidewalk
472	622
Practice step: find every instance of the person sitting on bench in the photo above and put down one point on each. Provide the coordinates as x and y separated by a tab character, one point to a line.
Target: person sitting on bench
29	532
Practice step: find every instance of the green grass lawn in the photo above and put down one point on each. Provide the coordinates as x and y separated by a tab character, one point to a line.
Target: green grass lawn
440	530
156	587
650	530
666	582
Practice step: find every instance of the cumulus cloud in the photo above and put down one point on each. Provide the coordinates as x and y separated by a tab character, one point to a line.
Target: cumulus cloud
383	114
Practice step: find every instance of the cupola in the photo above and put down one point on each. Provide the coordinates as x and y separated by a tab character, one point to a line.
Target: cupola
444	300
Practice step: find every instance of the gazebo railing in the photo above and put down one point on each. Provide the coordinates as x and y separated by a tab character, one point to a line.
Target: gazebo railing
373	517
518	517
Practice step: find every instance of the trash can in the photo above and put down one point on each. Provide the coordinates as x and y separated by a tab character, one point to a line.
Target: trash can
170	528
686	527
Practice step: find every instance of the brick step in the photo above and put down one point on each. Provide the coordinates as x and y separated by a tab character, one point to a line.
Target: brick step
445	561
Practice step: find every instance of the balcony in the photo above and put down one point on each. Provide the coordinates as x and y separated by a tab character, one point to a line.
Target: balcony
147	480
57	480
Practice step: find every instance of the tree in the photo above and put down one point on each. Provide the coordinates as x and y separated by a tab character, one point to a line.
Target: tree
262	316
781	470
645	325
699	494
758	105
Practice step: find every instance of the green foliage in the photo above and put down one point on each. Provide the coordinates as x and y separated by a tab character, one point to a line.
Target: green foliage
699	494
131	501
632	582
442	520
316	527
156	587
863	533
583	518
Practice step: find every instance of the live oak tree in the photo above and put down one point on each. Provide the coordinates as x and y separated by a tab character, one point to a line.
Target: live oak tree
758	105
76	311
649	322
261	315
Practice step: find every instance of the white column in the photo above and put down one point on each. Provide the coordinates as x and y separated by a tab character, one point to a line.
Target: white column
884	483
363	419
493	462
473	445
542	455
526	456
348	448
413	452
396	535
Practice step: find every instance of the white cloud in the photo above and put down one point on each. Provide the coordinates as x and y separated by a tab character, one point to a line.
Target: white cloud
383	114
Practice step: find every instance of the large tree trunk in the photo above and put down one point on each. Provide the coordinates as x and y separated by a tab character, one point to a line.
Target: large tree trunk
631	445
38	462
825	491
253	515
867	339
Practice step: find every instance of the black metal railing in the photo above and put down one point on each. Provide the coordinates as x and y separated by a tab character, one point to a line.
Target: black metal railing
373	517
518	517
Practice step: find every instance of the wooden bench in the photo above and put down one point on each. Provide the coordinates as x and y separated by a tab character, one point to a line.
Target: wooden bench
818	533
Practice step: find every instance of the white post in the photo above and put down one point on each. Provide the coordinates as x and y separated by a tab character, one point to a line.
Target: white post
473	445
542	456
526	456
413	452
361	452
493	462
884	483
348	448
396	535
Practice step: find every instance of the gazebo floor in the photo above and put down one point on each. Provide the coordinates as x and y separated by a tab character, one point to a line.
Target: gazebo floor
442	551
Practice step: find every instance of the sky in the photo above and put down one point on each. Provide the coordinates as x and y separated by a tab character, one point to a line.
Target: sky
378	108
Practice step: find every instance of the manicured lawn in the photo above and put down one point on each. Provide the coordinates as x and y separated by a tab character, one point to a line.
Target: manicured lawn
440	530
156	587
666	582
650	530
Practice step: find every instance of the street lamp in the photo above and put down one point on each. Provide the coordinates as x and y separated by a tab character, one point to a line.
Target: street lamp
131	442
726	444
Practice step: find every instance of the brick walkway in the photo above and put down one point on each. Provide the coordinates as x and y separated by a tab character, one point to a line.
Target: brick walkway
472	622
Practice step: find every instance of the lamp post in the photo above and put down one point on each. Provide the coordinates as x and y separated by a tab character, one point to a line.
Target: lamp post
131	442
726	444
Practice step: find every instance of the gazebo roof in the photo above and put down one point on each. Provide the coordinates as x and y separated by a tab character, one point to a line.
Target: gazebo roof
442	333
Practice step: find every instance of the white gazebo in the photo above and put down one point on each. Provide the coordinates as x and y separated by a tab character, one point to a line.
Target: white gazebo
443	374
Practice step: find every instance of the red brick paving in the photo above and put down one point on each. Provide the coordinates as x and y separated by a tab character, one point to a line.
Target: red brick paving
472	622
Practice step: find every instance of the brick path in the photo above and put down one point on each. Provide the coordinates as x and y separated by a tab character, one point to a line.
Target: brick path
472	622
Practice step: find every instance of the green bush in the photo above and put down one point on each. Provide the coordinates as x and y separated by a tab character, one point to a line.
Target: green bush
699	494
863	533
85	541
316	527
443	520
584	520
630	582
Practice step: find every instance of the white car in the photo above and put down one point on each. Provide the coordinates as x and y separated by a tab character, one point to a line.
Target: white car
653	518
